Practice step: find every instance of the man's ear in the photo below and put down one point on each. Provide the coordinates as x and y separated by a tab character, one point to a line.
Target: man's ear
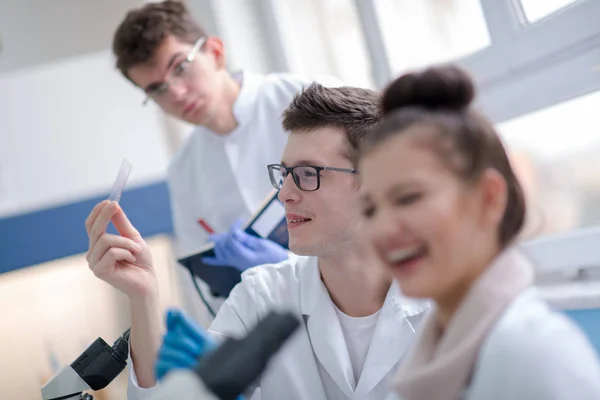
215	49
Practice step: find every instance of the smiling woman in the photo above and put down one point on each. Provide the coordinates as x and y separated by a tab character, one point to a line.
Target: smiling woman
443	207
452	188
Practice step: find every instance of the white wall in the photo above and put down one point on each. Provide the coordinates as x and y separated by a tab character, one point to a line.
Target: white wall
67	117
35	32
64	128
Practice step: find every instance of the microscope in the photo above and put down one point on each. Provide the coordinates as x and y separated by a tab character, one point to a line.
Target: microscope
222	374
94	369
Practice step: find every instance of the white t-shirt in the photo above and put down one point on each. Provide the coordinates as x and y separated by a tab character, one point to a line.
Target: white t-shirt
358	333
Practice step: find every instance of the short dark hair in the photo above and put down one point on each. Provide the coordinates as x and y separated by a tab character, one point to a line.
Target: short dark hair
144	29
441	97
354	110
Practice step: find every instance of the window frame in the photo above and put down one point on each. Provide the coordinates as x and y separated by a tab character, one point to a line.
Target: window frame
557	53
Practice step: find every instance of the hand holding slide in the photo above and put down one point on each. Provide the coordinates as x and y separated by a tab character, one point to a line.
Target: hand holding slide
124	260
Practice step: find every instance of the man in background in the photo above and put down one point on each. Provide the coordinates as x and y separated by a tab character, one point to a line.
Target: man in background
218	175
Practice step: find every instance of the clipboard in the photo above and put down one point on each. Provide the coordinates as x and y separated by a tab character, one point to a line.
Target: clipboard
268	222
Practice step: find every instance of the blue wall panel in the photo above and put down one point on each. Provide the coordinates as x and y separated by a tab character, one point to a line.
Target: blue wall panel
589	320
58	232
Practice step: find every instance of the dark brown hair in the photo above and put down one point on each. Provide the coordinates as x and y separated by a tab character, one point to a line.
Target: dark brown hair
441	97
143	30
354	110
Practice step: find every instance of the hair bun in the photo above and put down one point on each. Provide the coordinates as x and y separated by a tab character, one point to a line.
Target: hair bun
435	88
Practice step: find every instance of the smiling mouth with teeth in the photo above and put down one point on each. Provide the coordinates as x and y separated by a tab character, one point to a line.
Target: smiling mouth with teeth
403	256
297	222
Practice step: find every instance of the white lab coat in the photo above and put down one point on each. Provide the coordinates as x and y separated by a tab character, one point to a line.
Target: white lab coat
314	364
534	353
224	177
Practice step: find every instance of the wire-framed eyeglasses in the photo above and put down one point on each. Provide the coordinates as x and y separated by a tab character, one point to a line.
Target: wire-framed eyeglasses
181	72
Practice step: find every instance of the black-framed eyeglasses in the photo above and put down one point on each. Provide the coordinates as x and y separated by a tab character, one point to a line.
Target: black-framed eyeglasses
180	72
306	177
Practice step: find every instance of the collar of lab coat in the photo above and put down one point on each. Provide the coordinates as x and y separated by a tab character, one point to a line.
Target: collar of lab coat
243	107
393	333
312	285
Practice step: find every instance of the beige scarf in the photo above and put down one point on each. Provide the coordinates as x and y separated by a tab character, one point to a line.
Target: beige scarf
440	365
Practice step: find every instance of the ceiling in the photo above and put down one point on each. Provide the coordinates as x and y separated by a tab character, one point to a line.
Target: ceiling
34	32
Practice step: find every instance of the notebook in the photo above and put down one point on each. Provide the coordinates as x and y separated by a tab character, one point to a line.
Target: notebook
267	222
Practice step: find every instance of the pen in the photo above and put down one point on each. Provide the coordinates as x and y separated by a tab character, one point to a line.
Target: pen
206	226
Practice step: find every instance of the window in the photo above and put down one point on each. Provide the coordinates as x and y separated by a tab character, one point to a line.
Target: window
535	10
555	153
326	38
520	47
535	63
417	33
371	41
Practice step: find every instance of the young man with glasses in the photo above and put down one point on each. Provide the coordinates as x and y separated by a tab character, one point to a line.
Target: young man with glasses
217	177
357	325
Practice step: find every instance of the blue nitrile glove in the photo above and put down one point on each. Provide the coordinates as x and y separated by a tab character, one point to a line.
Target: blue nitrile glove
243	251
183	344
